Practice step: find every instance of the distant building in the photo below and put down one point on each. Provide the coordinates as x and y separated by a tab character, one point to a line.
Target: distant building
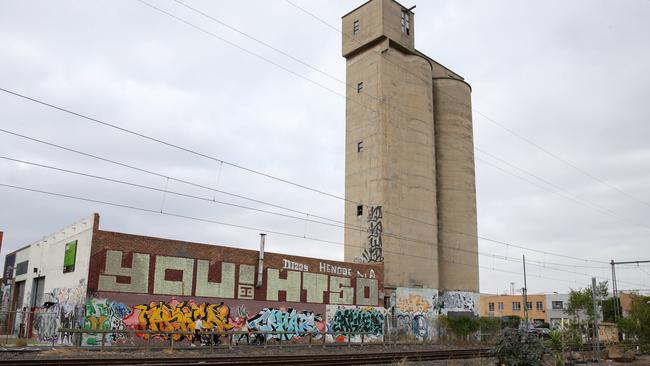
556	310
499	306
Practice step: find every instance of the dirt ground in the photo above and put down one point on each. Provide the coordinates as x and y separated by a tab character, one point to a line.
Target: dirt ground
65	352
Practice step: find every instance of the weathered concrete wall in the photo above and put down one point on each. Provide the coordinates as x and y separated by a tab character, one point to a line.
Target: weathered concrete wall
417	311
454	150
392	119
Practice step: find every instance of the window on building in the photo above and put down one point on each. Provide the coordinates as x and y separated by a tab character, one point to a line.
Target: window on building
21	268
557	305
529	305
355	27
70	257
359	146
406	22
360	210
500	306
516	306
491	306
359	87
539	306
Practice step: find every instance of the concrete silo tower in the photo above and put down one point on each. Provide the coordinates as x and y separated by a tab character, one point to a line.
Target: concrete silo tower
409	175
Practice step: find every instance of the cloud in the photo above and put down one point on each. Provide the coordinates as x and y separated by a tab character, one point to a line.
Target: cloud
572	77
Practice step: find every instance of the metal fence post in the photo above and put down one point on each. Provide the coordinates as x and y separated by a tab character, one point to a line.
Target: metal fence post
324	338
362	334
349	339
103	340
310	333
171	342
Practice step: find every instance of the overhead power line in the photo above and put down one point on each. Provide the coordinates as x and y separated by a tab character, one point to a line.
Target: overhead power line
275	205
544	265
219	160
592	206
165	176
246	227
560	191
493	121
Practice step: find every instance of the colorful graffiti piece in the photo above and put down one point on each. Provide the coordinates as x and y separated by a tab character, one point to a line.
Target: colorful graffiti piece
415	303
102	314
287	320
416	312
177	316
356	319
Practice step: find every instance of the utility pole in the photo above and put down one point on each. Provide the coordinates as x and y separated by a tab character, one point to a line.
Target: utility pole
525	294
595	306
617	310
614	289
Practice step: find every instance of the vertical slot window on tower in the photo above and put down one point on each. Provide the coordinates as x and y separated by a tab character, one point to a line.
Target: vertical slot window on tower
360	210
406	22
355	27
359	87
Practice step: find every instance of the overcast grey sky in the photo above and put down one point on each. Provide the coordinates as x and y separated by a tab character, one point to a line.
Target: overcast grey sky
571	76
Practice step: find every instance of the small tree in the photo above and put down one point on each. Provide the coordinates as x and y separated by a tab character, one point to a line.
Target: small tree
637	324
519	348
580	302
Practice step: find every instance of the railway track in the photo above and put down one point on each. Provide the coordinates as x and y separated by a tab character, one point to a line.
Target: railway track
366	358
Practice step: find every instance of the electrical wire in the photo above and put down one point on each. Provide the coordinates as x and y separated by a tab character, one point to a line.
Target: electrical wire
347	227
111	125
505	258
167	213
221	161
493	121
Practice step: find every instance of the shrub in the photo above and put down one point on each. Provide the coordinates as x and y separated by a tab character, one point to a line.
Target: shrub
461	326
519	348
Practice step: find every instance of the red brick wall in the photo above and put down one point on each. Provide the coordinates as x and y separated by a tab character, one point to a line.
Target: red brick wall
217	255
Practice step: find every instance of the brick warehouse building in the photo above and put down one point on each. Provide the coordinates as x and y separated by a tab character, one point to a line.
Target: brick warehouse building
84	277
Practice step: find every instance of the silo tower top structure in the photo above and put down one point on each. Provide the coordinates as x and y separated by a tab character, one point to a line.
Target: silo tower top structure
409	179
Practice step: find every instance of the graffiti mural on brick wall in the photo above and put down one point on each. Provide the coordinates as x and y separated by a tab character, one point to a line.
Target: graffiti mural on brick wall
374	251
62	308
181	316
102	314
176	316
355	319
416	313
287	320
459	302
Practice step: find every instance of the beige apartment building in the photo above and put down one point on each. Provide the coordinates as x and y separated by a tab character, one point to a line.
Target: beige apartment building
409	180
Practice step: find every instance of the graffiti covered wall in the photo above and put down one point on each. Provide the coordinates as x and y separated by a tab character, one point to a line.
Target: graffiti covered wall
62	308
417	310
459	303
140	283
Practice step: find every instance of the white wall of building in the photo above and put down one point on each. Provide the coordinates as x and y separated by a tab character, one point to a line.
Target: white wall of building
46	260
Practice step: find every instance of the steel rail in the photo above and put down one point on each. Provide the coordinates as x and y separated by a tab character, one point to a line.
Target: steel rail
355	358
